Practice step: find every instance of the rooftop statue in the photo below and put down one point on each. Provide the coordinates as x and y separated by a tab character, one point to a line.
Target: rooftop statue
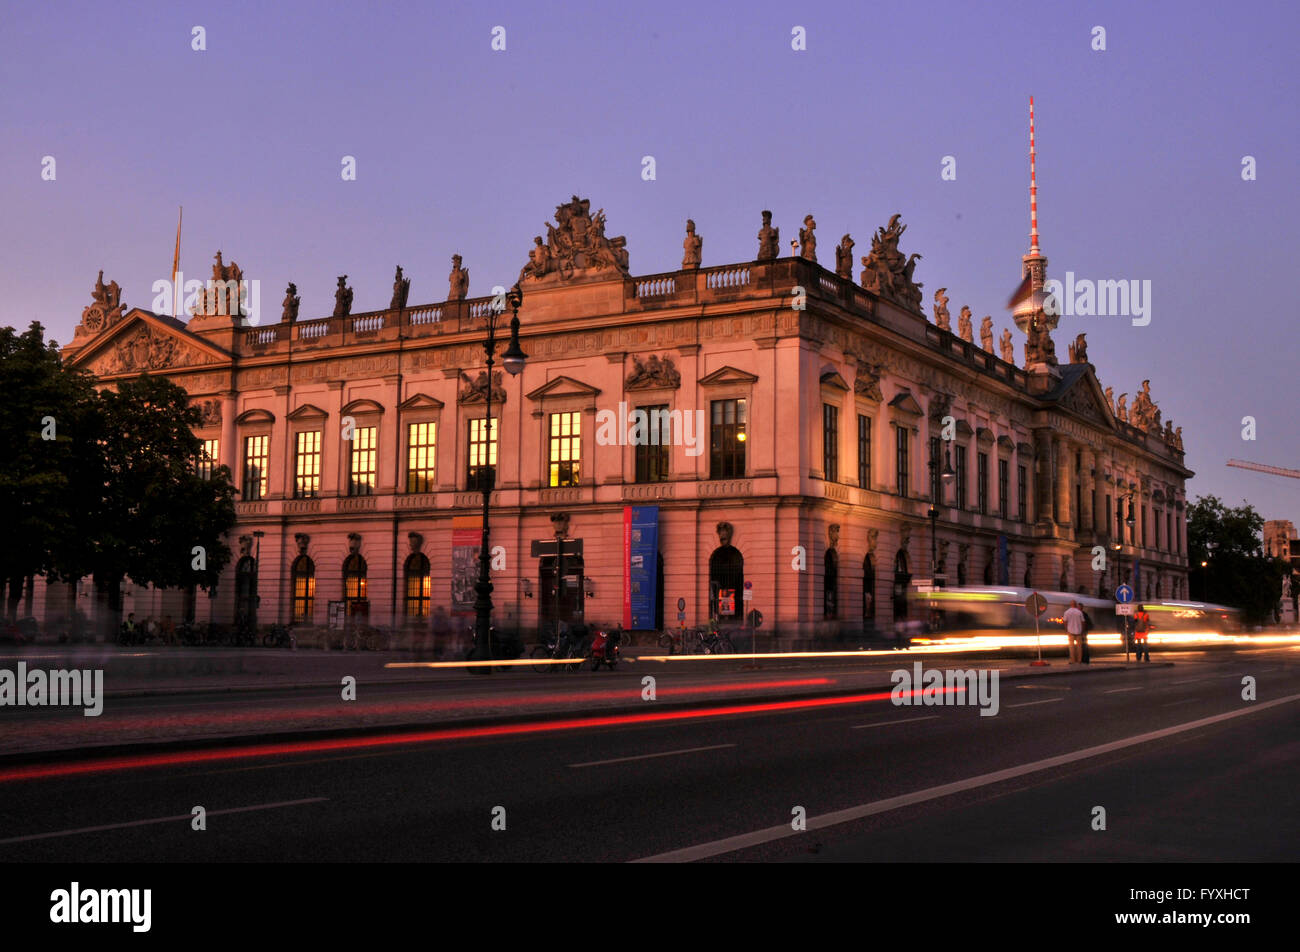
291	302
105	309
986	333
1121	408
964	329
844	258
342	298
691	246
401	291
808	239
942	319
458	280
887	271
576	242
1008	348
1039	346
769	239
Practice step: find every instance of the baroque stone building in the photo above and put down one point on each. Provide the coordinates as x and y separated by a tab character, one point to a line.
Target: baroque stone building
357	442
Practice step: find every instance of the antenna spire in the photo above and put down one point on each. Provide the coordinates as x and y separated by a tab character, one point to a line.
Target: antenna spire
1033	185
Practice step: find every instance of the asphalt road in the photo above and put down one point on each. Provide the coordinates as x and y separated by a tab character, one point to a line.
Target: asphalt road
877	782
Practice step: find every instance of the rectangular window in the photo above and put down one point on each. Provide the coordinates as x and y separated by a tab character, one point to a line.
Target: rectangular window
727	443
1004	478
565	448
982	482
361	461
304	595
418	590
207	460
864	451
1169	531
306	466
652	452
1156	519
902	462
256	477
960	467
421	457
482	455
1022	493
831	442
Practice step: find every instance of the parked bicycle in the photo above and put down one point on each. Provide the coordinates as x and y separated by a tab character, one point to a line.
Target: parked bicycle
704	639
562	646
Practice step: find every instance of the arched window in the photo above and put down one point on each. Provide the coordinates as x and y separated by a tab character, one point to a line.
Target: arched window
831	586
726	583
304	589
902	578
961	573
868	594
354	582
418	585
988	572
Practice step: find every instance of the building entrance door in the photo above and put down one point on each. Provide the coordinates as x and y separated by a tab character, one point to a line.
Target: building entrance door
562	602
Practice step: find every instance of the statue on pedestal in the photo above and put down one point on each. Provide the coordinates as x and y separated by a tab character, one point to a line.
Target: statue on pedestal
769	239
844	258
342	298
986	333
458	280
807	239
291	302
942	319
964	330
401	291
691	246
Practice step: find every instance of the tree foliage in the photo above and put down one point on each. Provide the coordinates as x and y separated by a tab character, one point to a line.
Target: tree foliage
1236	571
103	483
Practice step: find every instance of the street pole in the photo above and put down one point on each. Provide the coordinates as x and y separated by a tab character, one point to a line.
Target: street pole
514	362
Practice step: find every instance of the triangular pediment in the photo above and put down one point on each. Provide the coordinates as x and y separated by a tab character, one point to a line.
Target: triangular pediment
1080	393
832	379
146	342
906	403
563	386
308	411
727	374
421	401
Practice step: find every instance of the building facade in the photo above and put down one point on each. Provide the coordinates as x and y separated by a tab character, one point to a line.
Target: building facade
799	413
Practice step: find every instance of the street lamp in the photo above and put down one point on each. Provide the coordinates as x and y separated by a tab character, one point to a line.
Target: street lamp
513	359
947	476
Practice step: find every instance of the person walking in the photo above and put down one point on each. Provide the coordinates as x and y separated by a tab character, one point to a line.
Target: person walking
1083	638
1141	631
1074	629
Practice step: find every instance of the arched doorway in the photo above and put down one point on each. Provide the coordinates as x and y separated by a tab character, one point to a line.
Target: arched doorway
868	594
354	587
902	579
418	588
726	583
304	589
246	593
831	586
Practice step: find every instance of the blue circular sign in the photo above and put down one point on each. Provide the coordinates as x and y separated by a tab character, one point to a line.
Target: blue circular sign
1124	594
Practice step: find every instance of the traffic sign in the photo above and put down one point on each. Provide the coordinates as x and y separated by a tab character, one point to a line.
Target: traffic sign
755	618
749	586
1036	604
681	604
1124	594
1123	608
681	616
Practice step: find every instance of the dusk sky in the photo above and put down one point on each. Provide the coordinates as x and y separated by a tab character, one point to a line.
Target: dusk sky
462	149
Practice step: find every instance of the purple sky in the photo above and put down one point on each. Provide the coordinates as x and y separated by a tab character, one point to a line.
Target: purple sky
462	149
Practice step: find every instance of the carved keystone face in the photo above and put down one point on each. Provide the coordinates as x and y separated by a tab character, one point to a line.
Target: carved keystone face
724	533
354	542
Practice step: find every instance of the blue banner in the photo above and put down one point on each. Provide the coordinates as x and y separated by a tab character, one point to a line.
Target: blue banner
641	548
1004	562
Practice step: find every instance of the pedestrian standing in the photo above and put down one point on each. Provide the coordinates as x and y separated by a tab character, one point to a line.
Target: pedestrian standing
1074	629
1141	632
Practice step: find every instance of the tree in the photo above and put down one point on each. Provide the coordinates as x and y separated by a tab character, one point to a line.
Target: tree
150	515
46	406
1235	572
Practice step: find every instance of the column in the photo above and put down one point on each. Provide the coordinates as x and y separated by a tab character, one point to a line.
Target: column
228	452
1043	475
1063	483
1087	484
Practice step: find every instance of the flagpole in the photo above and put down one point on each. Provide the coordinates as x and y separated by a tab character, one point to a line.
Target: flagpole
176	265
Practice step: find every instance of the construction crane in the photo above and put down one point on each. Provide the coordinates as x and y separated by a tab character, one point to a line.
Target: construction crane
1261	468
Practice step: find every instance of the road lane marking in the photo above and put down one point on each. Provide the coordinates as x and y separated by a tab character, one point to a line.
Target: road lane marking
733	843
161	819
862	727
1050	700
1189	681
1184	701
666	753
1042	687
1117	690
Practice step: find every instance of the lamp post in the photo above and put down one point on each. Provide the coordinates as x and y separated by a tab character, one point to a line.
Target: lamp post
946	476
513	360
